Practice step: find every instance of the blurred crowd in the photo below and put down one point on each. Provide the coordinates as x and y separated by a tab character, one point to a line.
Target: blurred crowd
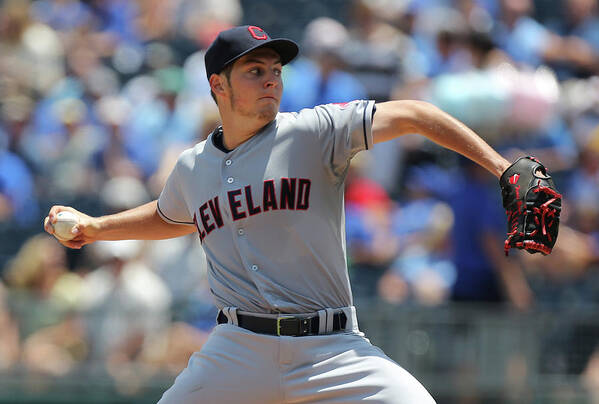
98	98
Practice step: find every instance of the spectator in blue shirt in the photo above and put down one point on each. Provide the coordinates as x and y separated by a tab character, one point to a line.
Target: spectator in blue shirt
580	29
319	78
18	201
483	272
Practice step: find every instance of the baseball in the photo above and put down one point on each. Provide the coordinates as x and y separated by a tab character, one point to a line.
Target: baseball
65	221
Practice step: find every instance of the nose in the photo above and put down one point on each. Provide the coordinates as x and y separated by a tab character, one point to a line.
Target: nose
272	80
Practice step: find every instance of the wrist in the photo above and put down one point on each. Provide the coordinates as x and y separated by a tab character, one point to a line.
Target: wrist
502	165
97	226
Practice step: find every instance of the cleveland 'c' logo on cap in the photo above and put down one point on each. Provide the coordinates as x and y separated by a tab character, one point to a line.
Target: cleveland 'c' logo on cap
257	32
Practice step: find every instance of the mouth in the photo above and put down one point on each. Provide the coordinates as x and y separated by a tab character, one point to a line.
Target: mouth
268	97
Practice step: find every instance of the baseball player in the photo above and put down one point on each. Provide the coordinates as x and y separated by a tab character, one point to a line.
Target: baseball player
264	192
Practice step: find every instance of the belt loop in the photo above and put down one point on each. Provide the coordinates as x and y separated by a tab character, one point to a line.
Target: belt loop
322	321
352	318
231	313
329	323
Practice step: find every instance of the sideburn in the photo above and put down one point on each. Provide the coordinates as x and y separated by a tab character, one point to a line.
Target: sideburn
232	97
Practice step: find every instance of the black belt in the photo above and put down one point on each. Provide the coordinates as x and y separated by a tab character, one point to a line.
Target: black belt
285	324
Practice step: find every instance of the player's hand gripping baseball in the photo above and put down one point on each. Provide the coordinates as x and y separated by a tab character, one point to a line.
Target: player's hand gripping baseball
83	232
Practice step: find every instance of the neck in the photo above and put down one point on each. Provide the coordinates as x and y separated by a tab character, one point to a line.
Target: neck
237	130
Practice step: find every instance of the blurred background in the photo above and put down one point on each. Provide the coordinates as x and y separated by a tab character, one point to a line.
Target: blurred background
98	98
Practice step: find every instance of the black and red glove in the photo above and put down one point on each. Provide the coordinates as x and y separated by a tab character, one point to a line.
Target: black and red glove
532	204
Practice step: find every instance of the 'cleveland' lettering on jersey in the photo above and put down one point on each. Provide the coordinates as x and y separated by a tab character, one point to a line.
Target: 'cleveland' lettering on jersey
208	221
293	194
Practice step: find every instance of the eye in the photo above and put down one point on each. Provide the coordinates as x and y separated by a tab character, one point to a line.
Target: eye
277	71
256	71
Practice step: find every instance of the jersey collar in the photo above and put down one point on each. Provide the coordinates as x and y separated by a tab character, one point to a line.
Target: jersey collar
214	149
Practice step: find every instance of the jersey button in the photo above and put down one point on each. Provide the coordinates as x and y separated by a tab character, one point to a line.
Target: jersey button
228	162
230	180
240	232
254	267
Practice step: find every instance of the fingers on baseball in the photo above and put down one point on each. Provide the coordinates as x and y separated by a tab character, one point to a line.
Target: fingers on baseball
48	226
74	243
54	210
77	242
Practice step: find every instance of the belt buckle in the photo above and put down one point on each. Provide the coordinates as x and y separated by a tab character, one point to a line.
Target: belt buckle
279	323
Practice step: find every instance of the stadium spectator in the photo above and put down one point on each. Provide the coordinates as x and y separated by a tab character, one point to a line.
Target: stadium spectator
10	344
38	275
319	77
372	245
525	40
579	32
483	273
423	224
18	199
58	349
124	303
378	53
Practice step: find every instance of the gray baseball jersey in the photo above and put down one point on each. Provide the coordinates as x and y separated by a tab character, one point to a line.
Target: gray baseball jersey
270	218
270	214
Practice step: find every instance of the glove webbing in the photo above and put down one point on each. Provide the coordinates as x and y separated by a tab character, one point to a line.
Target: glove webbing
545	211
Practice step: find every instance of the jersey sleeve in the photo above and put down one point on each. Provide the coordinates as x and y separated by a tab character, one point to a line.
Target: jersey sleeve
344	130
171	202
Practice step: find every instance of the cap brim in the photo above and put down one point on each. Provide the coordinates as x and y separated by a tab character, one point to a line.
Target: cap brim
286	48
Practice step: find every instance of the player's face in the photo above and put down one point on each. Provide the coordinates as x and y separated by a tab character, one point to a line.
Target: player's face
255	86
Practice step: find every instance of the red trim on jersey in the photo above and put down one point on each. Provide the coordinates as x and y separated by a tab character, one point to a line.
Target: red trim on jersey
200	232
252	210
288	193
341	104
269	196
303	194
216	214
234	205
205	219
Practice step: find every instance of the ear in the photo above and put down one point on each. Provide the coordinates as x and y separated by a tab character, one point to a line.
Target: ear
217	84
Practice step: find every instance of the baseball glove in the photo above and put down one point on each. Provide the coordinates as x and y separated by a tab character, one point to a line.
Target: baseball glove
532	205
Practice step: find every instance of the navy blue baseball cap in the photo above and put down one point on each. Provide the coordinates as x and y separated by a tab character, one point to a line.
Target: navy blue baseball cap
233	43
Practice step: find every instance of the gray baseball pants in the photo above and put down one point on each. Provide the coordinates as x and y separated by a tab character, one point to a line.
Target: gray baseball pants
238	366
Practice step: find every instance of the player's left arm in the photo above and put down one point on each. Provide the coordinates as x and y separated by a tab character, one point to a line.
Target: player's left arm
396	118
533	212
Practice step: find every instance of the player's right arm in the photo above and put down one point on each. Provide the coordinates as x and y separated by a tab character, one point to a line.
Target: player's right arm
140	223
